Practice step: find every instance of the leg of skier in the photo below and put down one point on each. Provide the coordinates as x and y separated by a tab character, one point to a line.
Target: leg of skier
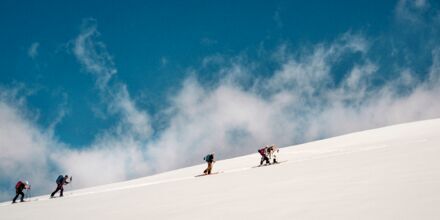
22	196
209	168
274	156
16	196
267	161
56	190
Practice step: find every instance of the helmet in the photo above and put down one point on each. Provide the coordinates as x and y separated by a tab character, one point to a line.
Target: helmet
27	185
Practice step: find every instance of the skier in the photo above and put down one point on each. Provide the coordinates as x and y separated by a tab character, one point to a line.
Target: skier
273	152
263	152
19	187
61	181
210	160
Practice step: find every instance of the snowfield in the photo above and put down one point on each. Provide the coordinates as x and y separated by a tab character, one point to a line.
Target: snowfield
386	173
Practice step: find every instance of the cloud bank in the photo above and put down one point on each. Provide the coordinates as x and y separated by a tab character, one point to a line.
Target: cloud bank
319	91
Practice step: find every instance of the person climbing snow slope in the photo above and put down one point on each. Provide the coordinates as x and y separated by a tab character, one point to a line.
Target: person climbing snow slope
19	187
264	152
61	181
272	153
210	160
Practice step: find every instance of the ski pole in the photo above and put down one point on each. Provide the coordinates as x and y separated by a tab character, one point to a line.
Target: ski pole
26	197
71	184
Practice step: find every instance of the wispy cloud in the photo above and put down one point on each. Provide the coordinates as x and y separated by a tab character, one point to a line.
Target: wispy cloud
94	57
93	54
33	50
277	18
206	41
163	61
120	148
411	12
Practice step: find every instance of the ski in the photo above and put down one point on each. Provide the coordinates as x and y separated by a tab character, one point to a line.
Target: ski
19	202
203	174
266	165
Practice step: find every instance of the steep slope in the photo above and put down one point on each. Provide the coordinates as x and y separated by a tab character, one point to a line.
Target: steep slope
386	173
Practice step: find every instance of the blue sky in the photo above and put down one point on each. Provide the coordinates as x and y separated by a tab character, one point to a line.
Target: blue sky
153	45
131	88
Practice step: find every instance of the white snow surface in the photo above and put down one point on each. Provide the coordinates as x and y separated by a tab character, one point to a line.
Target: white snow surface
385	173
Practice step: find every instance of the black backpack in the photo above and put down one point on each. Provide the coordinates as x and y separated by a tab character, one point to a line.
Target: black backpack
60	179
208	158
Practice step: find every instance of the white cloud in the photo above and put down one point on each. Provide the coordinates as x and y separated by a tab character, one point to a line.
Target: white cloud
33	153
93	54
117	153
94	57
61	113
411	11
299	102
24	148
109	159
33	50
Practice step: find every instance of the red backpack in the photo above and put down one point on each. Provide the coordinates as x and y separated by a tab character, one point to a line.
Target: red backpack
262	151
19	183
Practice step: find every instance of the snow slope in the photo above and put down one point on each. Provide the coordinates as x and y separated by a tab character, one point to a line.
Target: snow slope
386	173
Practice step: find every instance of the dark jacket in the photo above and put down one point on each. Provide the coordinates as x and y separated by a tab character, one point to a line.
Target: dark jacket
62	180
65	182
